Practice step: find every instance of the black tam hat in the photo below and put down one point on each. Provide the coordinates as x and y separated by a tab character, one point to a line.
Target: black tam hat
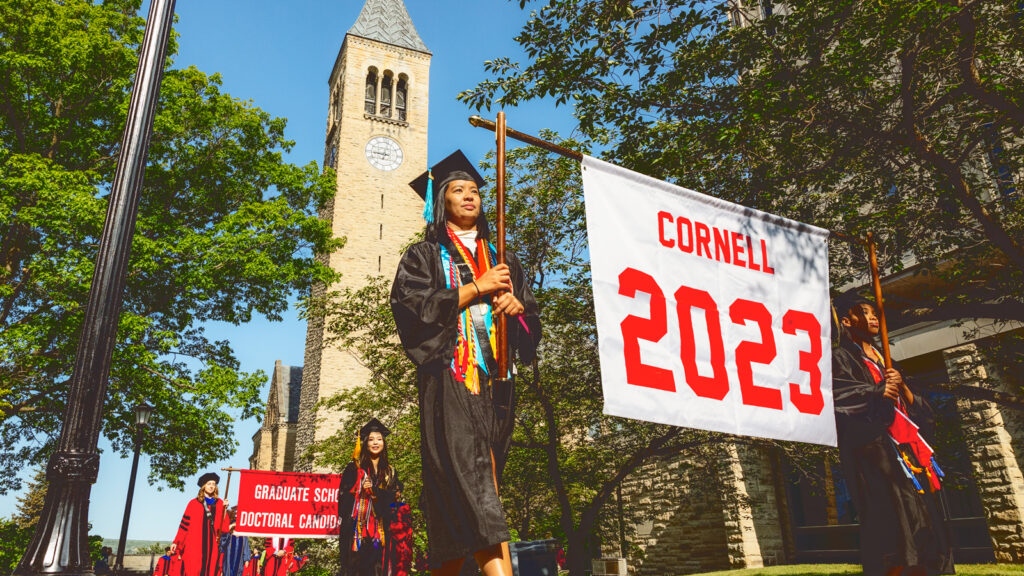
207	477
373	425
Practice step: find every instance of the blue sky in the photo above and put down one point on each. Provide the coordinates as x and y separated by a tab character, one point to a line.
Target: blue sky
279	55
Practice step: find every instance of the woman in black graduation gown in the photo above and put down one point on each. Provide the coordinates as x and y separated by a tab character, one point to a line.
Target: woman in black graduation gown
368	486
901	529
444	296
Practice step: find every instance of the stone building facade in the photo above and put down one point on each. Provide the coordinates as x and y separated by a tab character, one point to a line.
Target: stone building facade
274	443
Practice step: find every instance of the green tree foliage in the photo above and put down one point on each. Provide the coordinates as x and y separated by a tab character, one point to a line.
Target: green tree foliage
226	229
322	556
30	504
567	457
13	541
155	548
903	118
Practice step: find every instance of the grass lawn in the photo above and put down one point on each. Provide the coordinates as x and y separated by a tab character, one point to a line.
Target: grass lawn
854	570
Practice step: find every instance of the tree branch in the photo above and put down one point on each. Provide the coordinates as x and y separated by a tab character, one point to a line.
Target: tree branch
976	393
967	63
1008	311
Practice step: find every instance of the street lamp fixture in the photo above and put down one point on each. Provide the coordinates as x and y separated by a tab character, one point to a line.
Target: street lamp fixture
143	412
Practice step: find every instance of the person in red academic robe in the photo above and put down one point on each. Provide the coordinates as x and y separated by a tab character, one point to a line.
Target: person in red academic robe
298	563
199	532
252	567
400	562
168	564
280	557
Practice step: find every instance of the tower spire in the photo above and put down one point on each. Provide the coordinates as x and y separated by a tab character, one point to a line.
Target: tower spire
388	21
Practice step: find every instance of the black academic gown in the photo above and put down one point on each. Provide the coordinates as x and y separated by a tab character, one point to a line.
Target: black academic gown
898	525
459	431
368	561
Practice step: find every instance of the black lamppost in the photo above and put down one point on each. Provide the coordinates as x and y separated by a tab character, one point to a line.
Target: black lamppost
60	543
142	413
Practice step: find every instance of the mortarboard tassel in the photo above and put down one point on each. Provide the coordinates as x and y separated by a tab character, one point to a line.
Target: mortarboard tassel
428	206
358	449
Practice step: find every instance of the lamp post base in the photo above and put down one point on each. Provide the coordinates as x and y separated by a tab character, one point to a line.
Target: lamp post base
60	544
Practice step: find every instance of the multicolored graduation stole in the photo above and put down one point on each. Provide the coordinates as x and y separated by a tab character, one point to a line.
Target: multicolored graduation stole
468	352
903	432
366	522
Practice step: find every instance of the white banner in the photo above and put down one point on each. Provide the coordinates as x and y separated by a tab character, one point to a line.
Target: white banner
710	315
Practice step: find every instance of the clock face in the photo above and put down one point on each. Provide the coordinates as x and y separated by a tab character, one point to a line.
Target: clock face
383	153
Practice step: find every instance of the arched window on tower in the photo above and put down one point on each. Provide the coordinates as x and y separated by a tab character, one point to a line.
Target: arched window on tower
385	95
371	92
401	93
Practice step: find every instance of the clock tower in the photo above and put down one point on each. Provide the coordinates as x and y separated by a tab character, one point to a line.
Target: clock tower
377	144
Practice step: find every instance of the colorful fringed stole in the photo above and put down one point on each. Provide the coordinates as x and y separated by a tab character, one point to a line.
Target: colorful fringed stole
904	433
468	352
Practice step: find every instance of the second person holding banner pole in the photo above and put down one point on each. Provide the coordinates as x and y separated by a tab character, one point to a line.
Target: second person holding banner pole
445	296
368	487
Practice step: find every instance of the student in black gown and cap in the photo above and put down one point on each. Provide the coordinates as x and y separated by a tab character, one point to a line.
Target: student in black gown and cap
368	486
901	522
445	296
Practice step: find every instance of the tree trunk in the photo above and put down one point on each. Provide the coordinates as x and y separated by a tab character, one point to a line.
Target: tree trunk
576	552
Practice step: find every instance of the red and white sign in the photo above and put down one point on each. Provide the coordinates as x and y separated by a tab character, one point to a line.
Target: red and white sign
710	315
287	504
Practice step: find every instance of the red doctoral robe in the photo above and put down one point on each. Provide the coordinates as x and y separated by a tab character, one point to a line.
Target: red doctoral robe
252	567
168	566
279	565
198	537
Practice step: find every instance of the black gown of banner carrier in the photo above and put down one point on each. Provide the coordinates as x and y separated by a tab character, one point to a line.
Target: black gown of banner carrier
460	431
368	560
898	525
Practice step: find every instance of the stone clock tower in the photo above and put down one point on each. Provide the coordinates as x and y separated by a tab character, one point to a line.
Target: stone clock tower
377	144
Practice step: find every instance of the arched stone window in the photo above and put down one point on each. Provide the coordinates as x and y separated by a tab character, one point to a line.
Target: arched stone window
386	88
371	92
401	94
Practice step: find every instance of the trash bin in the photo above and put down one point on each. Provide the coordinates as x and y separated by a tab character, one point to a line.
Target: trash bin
534	558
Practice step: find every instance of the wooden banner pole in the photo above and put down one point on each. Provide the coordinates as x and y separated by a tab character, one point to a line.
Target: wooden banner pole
532	140
227	485
883	330
502	337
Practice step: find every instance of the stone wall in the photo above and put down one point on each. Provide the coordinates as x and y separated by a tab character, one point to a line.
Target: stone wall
994	438
675	524
305	429
753	525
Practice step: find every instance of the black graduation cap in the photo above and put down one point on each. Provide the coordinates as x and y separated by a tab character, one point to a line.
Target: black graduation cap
848	301
444	170
373	425
207	477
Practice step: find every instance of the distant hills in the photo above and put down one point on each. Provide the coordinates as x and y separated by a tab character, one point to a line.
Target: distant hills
137	546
